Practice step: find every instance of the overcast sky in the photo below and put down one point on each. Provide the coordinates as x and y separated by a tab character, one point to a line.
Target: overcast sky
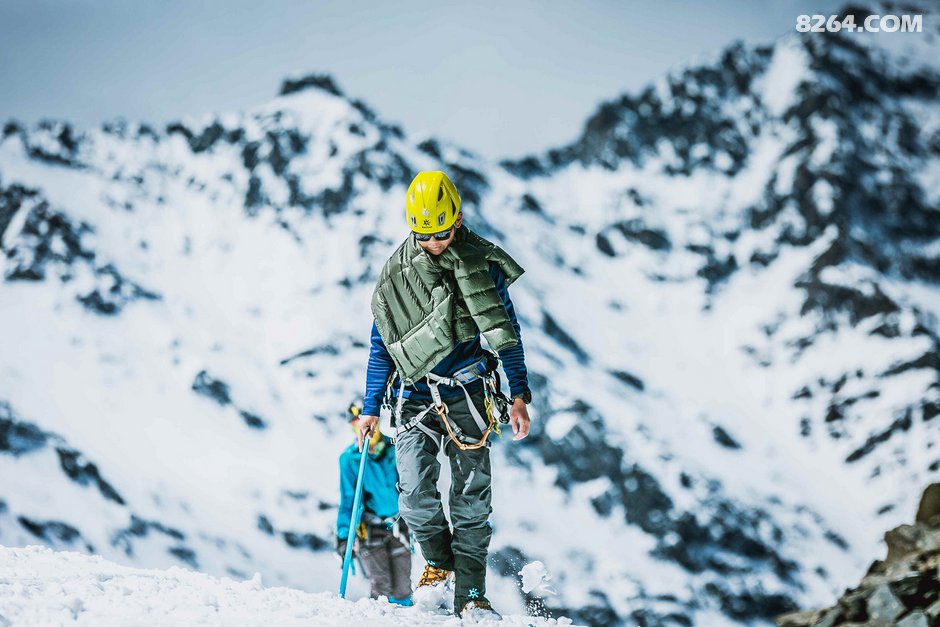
500	78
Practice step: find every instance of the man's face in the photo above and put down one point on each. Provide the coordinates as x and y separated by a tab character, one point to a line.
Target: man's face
435	246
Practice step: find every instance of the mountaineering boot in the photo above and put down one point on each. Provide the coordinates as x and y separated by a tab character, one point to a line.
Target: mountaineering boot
432	590
432	576
478	611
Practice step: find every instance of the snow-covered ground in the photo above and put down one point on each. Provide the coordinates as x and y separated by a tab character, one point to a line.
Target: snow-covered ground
39	586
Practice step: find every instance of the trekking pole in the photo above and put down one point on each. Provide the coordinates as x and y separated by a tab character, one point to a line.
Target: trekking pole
353	520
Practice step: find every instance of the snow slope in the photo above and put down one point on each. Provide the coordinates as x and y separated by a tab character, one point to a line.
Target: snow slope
44	587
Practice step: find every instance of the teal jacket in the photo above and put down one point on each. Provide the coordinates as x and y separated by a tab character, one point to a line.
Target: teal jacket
379	491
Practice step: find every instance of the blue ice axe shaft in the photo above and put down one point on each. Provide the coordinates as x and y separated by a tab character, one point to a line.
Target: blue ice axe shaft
353	522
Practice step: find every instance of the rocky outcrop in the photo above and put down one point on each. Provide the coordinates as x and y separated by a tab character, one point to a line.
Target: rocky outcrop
220	392
902	589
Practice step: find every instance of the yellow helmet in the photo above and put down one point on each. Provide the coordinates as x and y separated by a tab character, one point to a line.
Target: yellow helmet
432	203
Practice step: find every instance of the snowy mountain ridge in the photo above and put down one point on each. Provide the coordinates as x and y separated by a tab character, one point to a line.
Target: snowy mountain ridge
730	314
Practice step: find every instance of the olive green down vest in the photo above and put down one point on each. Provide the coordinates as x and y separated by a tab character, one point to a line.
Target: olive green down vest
424	304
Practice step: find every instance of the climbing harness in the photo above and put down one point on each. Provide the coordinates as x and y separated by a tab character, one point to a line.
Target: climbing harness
391	524
495	403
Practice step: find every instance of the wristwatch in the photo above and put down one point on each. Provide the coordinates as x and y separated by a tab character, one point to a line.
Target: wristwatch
525	396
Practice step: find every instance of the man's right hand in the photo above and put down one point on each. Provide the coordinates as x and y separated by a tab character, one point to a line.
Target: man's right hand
365	427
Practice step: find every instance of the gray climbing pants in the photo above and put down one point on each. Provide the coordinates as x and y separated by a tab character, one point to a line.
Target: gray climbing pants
462	549
386	562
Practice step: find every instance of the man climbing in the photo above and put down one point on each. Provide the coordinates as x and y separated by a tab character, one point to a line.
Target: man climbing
384	548
438	293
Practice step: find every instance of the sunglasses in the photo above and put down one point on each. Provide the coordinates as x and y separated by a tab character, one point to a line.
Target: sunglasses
441	237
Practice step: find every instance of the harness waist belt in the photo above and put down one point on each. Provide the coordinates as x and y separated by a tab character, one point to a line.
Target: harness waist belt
461	378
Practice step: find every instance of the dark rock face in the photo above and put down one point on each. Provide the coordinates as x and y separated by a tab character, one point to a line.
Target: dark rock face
834	299
265	525
315	81
22	438
629	379
281	143
717	270
84	472
252	420
630	127
47	238
50	244
928	513
724	438
185	555
11	199
18	438
55	533
593	615
219	391
308	541
121	291
881	217
902	423
53	142
294	539
637	231
279	147
525	168
141	528
432	148
603	245
473	184
203	140
903	589
553	329
600	612
332	349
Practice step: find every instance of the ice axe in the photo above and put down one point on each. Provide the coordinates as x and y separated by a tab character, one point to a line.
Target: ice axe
354	519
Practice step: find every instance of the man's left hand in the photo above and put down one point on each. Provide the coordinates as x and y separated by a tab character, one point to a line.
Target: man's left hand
365	428
519	419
